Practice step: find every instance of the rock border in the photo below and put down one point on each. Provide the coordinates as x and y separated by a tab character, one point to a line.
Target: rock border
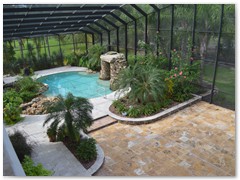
157	116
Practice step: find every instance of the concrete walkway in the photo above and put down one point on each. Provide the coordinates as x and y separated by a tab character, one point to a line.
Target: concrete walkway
54	156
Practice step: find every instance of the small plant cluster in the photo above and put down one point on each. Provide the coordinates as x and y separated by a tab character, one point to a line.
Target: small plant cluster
149	85
11	107
34	170
70	115
27	88
182	75
20	144
23	150
94	53
138	110
23	91
86	150
77	58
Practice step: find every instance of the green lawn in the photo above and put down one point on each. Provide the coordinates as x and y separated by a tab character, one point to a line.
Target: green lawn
66	49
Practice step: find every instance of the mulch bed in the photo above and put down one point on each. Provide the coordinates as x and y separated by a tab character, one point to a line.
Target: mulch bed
72	146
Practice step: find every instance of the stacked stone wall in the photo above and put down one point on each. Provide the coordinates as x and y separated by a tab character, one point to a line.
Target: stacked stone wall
111	64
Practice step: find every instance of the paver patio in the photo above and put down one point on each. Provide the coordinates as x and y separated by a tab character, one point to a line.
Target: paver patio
196	141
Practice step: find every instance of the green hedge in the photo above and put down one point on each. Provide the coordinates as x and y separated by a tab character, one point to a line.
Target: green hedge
34	170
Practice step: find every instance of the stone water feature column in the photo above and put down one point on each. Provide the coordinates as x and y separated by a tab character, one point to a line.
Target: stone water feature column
111	64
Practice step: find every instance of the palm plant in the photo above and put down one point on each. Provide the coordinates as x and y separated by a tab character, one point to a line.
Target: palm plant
94	53
69	115
146	83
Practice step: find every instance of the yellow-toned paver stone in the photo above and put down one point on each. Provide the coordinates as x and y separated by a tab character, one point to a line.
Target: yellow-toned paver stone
196	141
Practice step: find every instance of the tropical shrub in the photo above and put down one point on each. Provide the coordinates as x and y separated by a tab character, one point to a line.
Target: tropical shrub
148	109
83	60
133	112
70	114
138	110
57	59
31	71
86	150
94	53
71	60
52	133
11	109
120	106
13	67
183	75
42	62
146	83
11	96
31	55
11	114
9	59
27	88
20	145
150	58
31	170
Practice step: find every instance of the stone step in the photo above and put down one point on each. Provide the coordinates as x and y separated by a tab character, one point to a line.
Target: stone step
101	123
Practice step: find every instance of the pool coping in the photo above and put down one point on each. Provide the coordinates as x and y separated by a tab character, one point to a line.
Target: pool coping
47	72
157	116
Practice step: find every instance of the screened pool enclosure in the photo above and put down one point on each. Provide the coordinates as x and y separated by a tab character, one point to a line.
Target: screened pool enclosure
46	36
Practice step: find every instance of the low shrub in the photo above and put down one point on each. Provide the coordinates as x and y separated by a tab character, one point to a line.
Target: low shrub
11	114
137	110
27	88
148	109
11	109
20	145
133	112
86	150
22	72
52	133
120	107
83	60
11	96
32	170
27	95
94	53
184	74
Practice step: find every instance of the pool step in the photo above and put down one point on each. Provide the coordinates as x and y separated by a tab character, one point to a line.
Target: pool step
101	123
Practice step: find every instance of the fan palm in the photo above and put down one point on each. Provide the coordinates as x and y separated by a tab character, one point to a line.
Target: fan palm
70	115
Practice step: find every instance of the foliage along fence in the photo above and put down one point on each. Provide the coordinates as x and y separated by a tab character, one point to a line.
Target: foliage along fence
171	27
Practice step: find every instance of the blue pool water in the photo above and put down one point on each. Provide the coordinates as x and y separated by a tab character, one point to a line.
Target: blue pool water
80	84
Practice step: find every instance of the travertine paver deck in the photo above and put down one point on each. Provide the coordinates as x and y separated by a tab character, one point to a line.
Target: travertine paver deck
196	141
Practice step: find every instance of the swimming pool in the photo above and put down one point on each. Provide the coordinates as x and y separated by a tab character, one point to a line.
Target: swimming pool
80	84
